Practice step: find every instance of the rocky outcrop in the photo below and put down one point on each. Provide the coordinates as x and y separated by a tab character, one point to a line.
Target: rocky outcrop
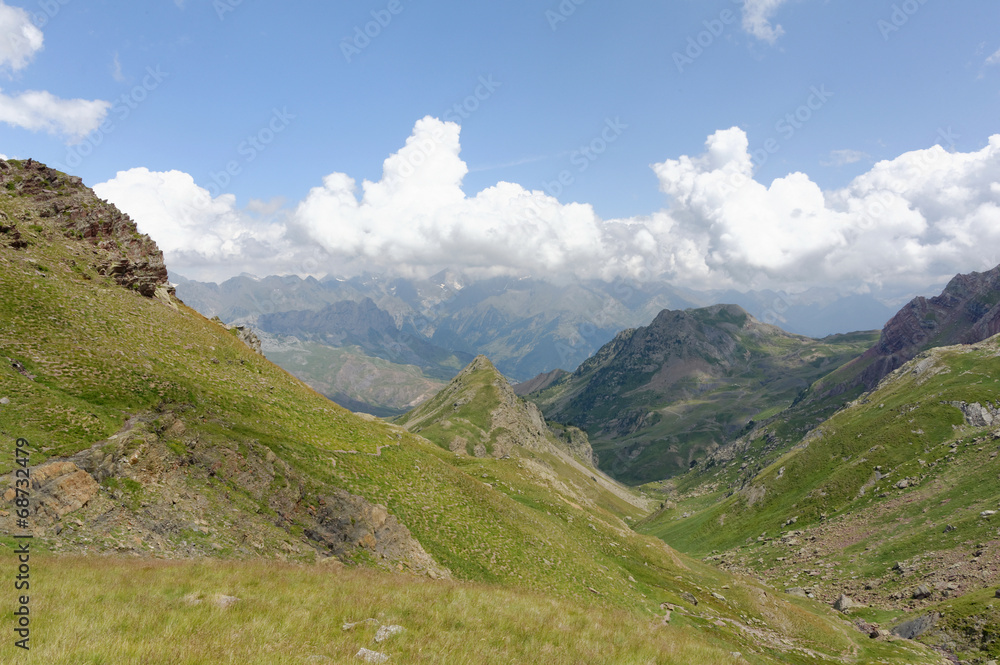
154	488
51	199
966	312
245	335
57	489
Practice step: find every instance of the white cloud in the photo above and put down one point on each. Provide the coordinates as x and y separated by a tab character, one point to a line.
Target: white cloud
994	59
908	222
19	38
202	237
844	157
39	110
757	19
919	218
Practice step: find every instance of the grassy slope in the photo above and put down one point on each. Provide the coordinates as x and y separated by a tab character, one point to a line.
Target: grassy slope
693	416
101	354
851	526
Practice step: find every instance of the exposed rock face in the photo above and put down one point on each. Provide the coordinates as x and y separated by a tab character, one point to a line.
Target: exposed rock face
139	481
50	198
966	312
244	333
57	488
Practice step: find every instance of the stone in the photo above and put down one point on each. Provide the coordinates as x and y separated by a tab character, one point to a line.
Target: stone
796	591
843	603
997	594
689	598
385	632
370	656
916	627
718	596
921	592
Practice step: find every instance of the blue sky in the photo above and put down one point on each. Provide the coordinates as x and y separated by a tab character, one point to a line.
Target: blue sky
285	94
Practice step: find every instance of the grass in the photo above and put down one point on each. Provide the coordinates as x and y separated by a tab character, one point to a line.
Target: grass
257	449
103	611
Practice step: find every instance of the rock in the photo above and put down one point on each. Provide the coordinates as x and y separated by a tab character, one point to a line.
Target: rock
988	513
351	625
718	596
224	602
843	603
902	484
997	594
796	591
4	400
921	592
370	656
916	627
385	632
689	598
58	488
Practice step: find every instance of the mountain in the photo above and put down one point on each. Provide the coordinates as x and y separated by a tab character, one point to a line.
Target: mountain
363	324
966	312
658	398
893	501
526	325
223	498
540	382
814	313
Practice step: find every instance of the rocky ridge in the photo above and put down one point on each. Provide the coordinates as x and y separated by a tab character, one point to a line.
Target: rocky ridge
50	198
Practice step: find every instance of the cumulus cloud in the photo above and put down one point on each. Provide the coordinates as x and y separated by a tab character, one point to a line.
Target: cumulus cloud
203	237
913	220
40	110
994	59
19	38
757	19
908	222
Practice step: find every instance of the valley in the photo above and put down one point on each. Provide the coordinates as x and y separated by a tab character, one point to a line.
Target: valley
236	512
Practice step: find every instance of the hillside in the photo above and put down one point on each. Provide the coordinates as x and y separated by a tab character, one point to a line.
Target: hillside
657	399
965	312
155	434
891	502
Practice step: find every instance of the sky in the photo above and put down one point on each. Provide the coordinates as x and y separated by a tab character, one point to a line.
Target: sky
711	143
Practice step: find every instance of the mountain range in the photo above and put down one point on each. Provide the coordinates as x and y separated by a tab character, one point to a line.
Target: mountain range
212	502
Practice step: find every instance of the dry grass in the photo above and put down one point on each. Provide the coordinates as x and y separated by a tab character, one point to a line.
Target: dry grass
102	611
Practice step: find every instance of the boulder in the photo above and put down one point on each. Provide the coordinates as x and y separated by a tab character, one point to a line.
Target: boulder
916	627
843	603
921	592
